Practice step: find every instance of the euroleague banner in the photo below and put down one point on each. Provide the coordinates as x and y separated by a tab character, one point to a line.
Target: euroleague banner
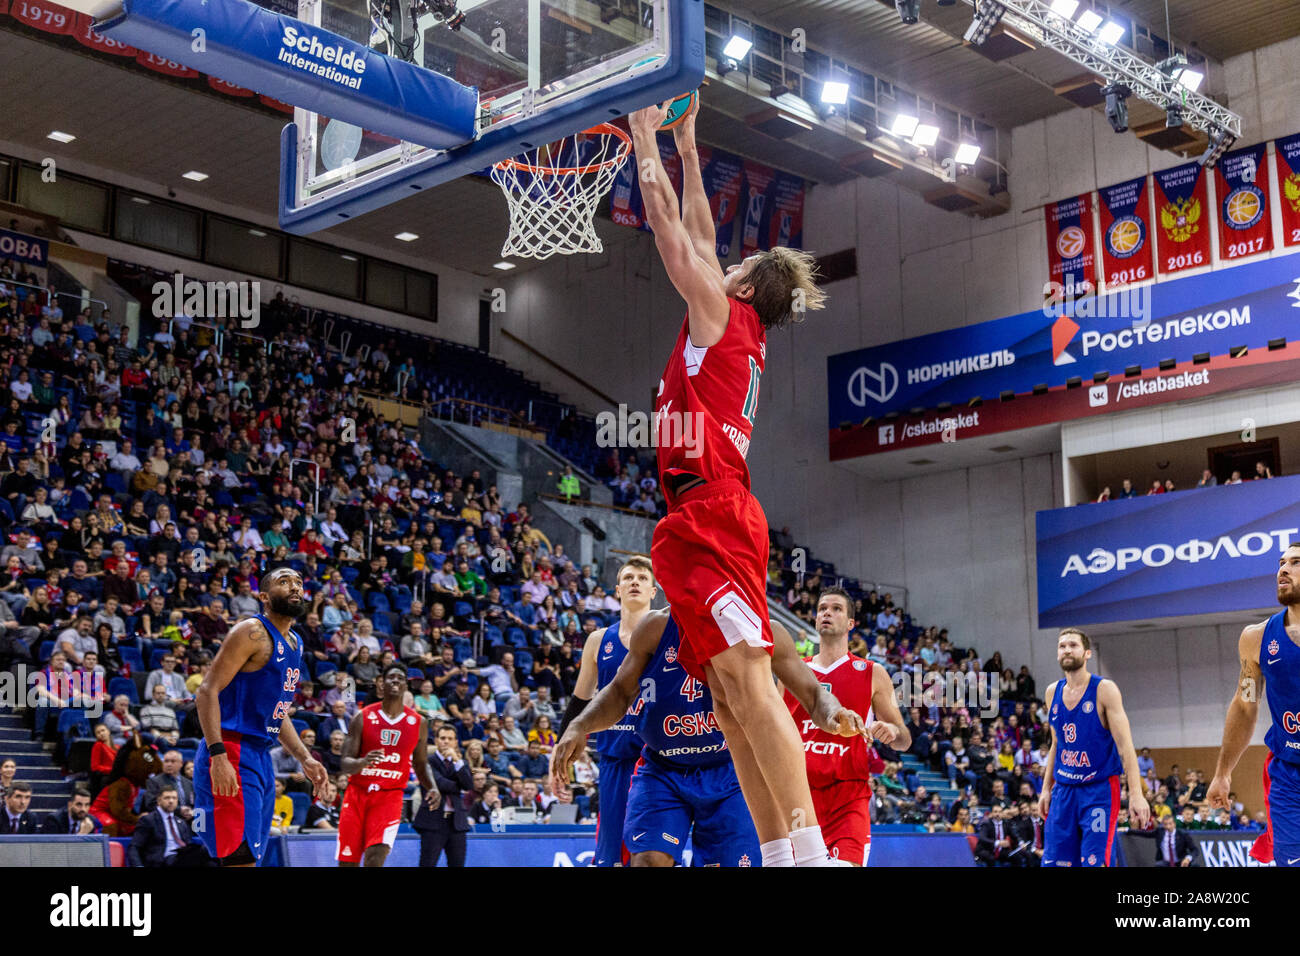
1125	233
1070	241
1245	228
1062	348
1288	187
1182	207
1187	552
765	204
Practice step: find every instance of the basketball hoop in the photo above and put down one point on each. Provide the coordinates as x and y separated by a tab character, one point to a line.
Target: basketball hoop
553	192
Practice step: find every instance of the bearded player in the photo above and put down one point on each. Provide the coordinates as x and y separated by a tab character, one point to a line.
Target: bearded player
1275	641
618	745
839	771
243	707
1091	745
685	783
393	737
710	551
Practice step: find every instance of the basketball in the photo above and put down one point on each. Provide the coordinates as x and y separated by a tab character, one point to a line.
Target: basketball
679	109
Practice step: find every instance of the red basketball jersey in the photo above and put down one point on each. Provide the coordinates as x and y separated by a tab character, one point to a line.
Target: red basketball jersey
830	757
704	412
397	738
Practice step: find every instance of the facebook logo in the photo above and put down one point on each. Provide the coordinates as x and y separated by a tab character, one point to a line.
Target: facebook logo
886	435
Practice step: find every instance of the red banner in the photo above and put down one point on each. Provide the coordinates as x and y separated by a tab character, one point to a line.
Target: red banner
757	195
4	7
1125	233
276	104
1071	241
1182	224
222	86
1245	227
160	64
47	17
1288	187
86	36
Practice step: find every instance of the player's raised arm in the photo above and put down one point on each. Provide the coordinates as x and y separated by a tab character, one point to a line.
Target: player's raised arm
697	215
1045	798
612	701
243	641
1243	711
822	706
698	282
1112	707
585	687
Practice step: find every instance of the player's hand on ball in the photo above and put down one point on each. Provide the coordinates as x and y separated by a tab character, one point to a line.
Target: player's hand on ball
1217	795
1139	810
649	120
883	732
317	774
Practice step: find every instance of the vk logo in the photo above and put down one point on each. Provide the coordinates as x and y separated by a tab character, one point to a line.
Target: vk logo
1098	395
878	385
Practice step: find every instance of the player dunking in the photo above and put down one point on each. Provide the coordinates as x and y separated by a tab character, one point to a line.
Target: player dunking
839	771
1270	660
1090	738
243	705
619	746
710	551
685	783
393	737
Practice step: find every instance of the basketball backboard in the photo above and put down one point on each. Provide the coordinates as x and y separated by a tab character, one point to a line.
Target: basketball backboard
543	69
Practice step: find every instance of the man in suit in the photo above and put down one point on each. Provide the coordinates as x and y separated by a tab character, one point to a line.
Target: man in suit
163	838
16	818
75	819
337	720
995	839
444	828
172	762
1174	847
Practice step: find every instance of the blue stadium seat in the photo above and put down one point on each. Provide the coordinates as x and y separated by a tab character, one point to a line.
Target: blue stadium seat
131	657
155	659
73	717
299	724
324	667
350	574
301	804
123	685
414	673
46	649
525	660
113	482
462	609
377	601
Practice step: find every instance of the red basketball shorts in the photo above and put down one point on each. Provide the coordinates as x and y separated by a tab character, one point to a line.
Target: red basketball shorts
710	558
844	814
366	820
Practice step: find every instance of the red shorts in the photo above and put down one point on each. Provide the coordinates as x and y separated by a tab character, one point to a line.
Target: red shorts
710	558
844	814
366	820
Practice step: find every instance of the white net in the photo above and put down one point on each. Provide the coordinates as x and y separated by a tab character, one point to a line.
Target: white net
553	192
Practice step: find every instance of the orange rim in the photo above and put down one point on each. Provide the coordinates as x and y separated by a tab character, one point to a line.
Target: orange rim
603	129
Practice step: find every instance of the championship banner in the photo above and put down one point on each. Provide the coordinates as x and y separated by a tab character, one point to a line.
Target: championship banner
87	36
722	174
758	207
625	197
1245	228
786	226
1182	233
1287	157
1070	244
21	247
46	17
1125	233
222	86
160	64
275	104
1206	550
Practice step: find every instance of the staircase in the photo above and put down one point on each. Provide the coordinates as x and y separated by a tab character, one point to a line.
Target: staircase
49	789
932	781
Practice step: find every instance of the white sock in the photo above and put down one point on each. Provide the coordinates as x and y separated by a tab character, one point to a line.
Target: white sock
778	853
809	847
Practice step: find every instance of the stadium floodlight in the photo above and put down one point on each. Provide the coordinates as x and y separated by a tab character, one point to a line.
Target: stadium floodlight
904	126
967	154
1220	142
1111	33
1089	20
835	93
925	135
909	11
737	48
1116	108
988	14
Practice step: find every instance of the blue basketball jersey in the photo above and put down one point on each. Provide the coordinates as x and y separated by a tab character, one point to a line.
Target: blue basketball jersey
255	703
1279	659
674	713
620	741
1085	750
